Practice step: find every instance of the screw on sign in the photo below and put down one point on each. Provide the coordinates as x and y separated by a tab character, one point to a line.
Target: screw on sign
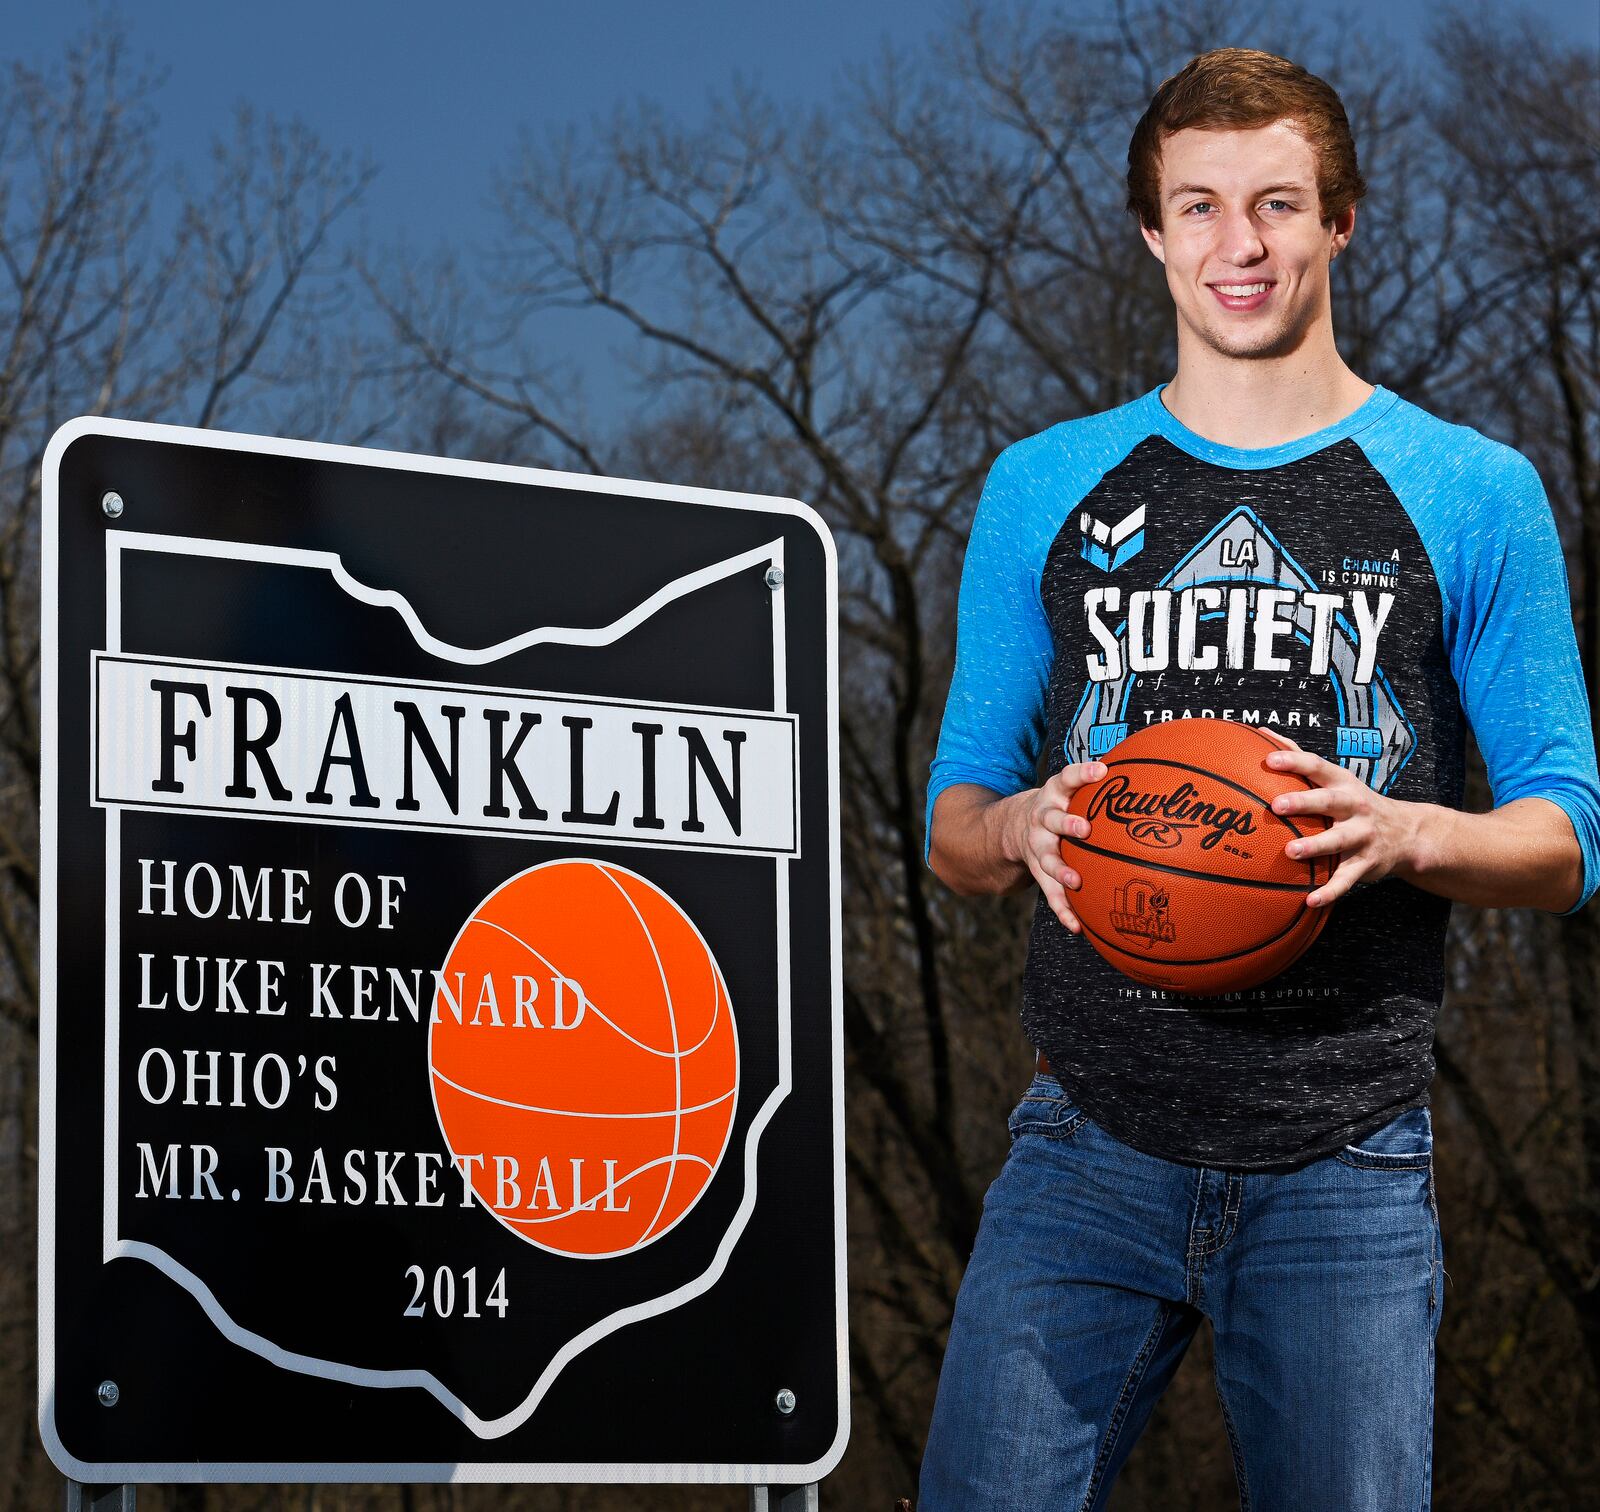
441	994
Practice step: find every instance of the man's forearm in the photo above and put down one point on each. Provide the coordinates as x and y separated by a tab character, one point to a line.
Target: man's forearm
973	847
1520	855
1523	854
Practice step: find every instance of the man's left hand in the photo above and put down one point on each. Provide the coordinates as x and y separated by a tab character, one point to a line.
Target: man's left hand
1371	836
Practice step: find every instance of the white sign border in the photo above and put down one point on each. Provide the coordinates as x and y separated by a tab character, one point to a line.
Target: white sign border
387	1471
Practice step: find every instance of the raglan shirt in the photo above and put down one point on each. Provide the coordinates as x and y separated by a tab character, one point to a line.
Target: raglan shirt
1365	590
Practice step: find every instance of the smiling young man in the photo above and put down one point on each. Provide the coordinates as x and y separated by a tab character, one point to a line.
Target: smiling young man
1262	1160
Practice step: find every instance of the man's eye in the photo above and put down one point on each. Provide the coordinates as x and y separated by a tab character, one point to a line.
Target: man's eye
1207	205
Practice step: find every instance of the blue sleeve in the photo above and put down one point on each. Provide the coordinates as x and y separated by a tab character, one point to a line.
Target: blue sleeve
1486	525
1515	658
994	719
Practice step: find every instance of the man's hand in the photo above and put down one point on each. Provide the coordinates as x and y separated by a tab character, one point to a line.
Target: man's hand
1040	826
1371	835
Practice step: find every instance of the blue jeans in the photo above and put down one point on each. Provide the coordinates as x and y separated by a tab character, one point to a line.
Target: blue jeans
1093	1266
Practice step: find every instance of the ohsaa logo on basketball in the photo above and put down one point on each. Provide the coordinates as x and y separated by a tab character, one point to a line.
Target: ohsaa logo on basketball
584	1059
1142	912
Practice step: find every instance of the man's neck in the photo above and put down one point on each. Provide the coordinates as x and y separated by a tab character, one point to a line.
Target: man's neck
1249	402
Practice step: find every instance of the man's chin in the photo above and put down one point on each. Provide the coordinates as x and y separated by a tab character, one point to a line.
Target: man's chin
1243	344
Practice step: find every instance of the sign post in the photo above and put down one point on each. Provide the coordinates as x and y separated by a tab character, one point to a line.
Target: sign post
441	1051
81	1498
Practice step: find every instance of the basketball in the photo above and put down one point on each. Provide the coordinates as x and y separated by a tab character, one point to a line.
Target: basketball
1185	882
583	1058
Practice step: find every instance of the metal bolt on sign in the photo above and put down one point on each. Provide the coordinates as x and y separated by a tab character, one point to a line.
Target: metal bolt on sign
803	1498
774	577
109	1394
112	504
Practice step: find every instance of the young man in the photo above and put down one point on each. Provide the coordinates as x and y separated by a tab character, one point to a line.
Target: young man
1263	1160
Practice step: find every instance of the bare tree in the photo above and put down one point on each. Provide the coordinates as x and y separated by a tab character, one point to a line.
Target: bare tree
1515	121
125	292
861	307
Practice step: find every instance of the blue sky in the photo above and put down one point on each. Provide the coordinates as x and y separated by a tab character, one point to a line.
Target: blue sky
436	93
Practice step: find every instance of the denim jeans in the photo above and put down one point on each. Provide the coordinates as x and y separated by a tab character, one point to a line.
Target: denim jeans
1093	1266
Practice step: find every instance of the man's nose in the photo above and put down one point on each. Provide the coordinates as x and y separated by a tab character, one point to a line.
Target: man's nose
1239	238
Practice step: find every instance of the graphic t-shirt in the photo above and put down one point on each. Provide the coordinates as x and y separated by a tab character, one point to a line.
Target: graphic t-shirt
1361	590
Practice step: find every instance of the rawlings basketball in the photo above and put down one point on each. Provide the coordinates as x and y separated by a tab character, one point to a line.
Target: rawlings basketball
584	1059
1186	884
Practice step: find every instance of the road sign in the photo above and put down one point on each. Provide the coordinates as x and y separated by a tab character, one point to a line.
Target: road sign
441	1052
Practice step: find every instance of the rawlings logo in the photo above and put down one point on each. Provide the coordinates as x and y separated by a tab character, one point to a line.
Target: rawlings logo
1160	819
1159	834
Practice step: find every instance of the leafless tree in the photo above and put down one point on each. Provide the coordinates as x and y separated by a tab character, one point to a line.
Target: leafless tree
126	292
861	307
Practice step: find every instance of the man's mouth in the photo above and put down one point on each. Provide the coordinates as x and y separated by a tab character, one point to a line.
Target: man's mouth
1242	296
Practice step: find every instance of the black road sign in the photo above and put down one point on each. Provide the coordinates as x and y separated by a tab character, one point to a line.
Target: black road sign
441	1051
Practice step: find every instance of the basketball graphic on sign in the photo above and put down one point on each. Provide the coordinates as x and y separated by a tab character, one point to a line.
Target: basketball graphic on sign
583	1058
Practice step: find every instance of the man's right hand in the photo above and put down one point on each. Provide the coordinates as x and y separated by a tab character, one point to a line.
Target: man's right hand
1040	825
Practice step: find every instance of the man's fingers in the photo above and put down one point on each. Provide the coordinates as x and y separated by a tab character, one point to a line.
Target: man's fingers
1051	865
1340	801
1291	761
1056	897
1060	822
1078	775
1307	764
1052	857
1328	842
1055	893
1053	825
1345	876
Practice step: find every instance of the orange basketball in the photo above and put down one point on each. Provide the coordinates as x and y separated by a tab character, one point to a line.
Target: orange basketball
1185	881
583	1057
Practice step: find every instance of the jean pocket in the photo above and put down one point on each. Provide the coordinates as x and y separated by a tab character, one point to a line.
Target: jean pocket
1046	1109
1405	1143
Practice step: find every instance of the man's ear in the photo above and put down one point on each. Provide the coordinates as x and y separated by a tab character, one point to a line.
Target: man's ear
1153	240
1343	229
